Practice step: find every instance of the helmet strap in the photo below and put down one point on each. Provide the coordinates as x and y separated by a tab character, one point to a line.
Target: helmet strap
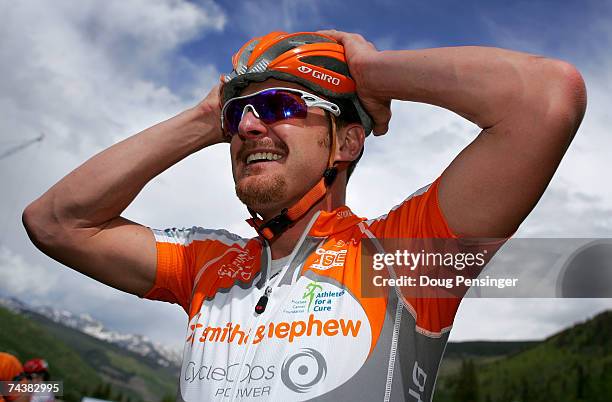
288	216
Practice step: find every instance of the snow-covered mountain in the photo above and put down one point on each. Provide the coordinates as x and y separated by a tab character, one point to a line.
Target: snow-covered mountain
139	344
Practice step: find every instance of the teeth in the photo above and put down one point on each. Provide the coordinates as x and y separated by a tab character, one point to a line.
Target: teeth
263	156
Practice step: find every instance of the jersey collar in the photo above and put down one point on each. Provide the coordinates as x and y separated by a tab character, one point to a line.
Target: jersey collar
336	221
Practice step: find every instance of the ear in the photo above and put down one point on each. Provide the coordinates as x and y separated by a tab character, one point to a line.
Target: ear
350	142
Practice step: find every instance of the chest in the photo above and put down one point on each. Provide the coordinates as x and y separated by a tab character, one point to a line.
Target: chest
299	344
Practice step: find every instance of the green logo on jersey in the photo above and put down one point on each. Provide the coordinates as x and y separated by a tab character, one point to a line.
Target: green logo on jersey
310	292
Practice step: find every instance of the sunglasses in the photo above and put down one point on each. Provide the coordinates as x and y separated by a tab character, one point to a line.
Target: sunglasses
271	105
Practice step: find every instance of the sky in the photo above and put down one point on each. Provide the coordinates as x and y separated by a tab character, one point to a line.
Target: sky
87	74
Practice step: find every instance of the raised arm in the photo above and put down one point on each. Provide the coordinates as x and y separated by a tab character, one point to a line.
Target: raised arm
529	108
77	221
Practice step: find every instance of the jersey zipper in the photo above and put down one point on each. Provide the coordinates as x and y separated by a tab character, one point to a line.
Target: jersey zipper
253	323
268	292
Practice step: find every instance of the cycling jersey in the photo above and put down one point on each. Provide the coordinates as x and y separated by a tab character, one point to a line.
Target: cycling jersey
318	338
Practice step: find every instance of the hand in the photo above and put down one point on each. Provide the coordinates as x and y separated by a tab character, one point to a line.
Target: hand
359	54
210	112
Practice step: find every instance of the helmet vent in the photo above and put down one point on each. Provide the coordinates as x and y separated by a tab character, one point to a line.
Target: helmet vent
244	57
329	63
301	42
259	67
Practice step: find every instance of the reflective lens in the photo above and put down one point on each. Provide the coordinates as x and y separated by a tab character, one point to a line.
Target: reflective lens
270	106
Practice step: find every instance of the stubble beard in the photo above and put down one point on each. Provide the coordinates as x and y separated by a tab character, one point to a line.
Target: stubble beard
258	192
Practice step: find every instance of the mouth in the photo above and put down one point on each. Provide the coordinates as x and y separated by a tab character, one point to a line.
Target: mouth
262	158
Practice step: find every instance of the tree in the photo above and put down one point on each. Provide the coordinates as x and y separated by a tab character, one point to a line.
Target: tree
103	391
524	390
168	398
466	383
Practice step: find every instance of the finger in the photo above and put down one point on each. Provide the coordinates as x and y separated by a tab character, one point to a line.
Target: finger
341	36
359	37
331	32
381	121
380	130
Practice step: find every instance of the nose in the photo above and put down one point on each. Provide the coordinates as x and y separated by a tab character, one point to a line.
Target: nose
250	125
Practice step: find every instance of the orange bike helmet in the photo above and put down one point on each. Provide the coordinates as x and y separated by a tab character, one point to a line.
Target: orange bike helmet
313	60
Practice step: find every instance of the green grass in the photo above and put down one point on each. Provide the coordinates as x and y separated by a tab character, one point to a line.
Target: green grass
27	339
84	362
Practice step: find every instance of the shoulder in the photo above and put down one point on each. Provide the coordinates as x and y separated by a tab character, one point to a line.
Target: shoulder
419	215
411	199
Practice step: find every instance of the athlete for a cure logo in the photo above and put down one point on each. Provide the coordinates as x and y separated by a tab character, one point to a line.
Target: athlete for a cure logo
311	290
240	267
329	259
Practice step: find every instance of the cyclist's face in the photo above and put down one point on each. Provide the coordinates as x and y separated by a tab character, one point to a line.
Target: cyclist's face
300	148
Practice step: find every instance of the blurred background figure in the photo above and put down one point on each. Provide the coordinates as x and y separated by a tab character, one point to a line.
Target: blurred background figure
37	370
11	369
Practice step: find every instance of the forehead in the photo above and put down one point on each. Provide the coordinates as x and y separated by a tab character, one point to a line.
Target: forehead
271	83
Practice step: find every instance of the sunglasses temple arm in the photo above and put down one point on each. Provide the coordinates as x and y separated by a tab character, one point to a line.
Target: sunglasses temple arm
323	104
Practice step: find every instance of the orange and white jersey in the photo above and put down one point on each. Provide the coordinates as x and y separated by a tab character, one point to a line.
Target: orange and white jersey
318	338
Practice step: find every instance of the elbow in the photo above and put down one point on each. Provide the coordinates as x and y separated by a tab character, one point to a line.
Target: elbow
567	96
30	218
39	225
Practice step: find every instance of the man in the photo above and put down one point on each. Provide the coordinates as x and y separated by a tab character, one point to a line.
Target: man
282	316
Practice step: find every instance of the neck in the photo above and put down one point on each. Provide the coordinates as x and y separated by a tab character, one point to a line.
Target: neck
284	243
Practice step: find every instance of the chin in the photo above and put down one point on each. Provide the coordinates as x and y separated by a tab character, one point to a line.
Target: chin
261	192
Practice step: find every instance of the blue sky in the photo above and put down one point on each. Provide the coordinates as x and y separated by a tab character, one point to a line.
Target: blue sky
89	73
558	27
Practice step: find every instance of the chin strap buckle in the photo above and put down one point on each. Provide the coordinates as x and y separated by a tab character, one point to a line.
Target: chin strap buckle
274	226
330	175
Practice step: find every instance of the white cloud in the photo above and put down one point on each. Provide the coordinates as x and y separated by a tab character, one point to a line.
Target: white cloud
520	319
88	74
20	277
80	68
422	140
54	285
